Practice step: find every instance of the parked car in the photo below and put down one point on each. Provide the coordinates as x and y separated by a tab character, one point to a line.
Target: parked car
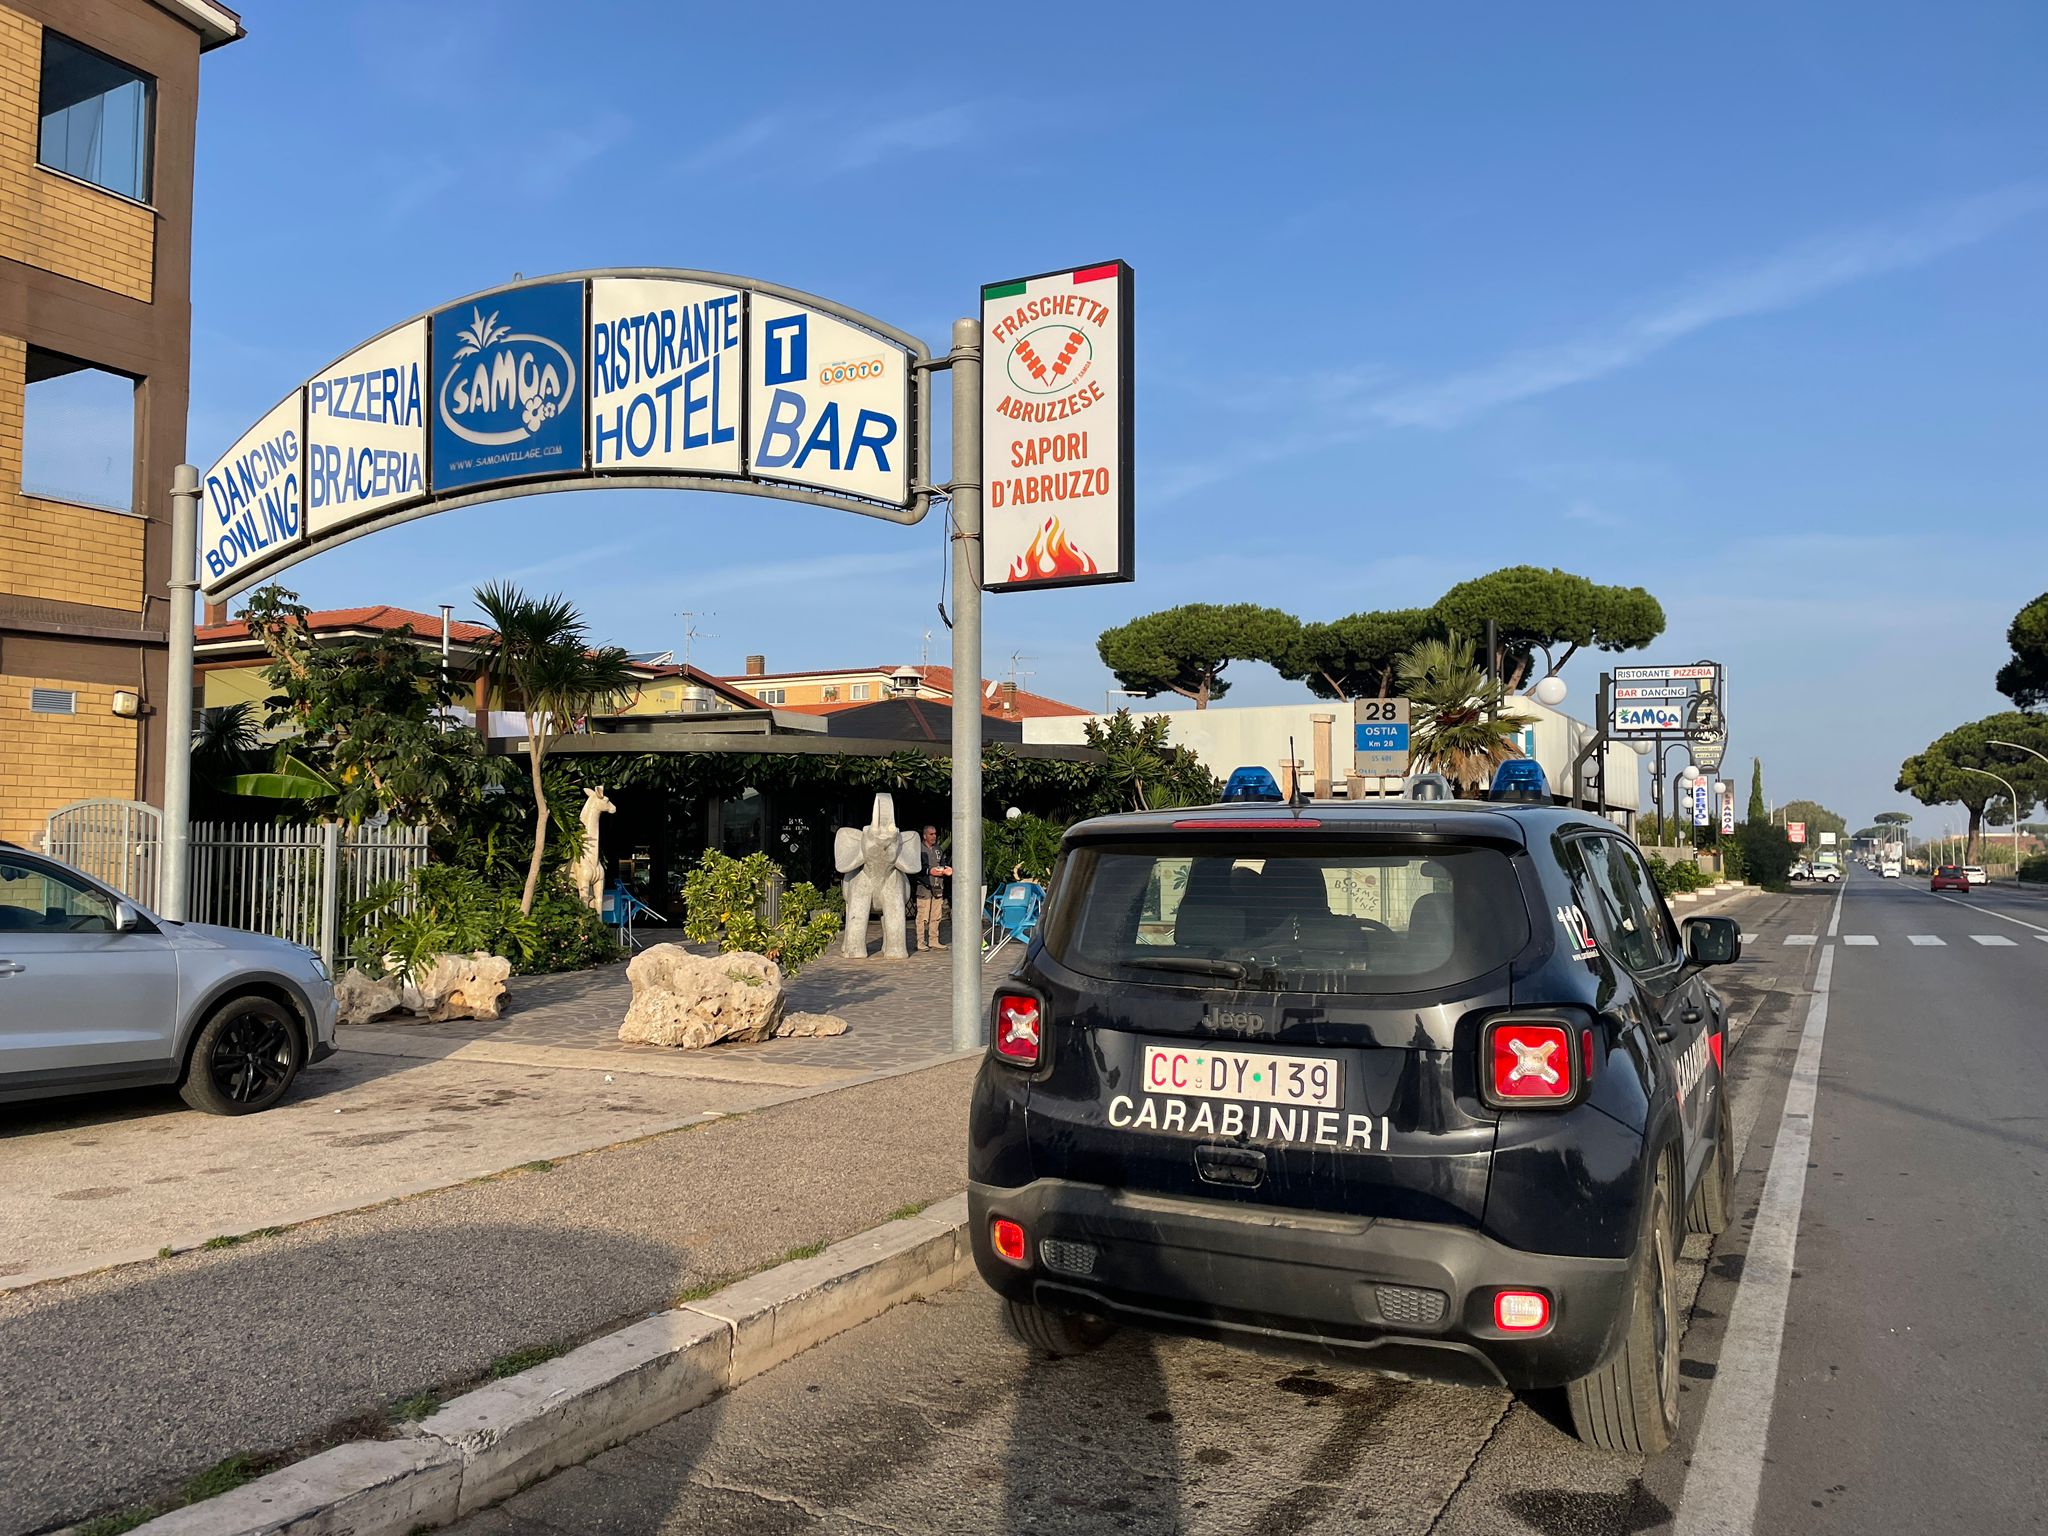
1826	874
1949	877
98	992
1976	874
1434	1087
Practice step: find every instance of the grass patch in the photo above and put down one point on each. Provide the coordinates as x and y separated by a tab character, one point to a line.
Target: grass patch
745	978
522	1360
538	1165
705	1290
807	1251
222	1477
905	1212
411	1410
231	1239
164	1252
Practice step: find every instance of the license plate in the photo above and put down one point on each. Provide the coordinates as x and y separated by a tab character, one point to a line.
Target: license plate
1248	1077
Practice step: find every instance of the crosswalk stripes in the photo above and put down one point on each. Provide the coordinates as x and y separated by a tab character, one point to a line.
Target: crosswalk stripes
1938	943
1866	940
1993	940
1800	938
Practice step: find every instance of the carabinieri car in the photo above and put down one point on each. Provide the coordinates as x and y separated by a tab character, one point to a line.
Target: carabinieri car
1434	1087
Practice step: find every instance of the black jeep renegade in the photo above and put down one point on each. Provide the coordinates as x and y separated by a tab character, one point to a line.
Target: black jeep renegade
1434	1087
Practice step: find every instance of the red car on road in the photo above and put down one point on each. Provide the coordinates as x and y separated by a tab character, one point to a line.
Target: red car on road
1950	877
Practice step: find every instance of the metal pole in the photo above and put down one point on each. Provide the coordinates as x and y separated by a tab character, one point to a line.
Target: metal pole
968	1025
1492	665
1600	719
178	691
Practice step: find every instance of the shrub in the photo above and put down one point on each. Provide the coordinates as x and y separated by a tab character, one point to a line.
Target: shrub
1767	854
1677	877
2035	869
446	909
1023	849
724	899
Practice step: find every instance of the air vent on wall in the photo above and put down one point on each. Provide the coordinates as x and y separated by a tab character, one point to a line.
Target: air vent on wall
52	701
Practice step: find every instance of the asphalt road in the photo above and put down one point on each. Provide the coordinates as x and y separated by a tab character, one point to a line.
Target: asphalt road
1912	1393
930	1419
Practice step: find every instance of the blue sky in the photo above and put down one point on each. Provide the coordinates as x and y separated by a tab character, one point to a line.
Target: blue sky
1742	304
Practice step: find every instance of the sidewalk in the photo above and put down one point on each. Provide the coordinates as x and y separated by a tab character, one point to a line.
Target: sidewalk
120	1384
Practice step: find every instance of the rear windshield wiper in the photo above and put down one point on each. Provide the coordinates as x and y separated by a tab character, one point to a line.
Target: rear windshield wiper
1193	965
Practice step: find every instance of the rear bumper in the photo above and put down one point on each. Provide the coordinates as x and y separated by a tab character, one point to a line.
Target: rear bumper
1401	1297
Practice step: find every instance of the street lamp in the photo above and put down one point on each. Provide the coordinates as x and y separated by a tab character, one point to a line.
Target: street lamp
2012	795
1550	692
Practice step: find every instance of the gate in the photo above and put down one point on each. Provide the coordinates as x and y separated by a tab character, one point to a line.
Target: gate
117	842
290	882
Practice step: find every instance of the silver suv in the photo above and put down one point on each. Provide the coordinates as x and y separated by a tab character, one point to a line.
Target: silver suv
96	992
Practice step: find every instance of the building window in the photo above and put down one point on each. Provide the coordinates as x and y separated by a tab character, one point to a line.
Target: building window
77	433
96	118
770	695
829	693
859	690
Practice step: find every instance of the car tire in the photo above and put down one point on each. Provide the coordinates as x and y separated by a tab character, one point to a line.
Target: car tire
1631	1403
1055	1334
1707	1213
244	1057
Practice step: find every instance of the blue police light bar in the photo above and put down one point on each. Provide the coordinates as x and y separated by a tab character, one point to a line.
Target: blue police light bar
1252	784
1520	778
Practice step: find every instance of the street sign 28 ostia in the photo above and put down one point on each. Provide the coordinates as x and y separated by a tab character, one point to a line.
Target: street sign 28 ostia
1379	737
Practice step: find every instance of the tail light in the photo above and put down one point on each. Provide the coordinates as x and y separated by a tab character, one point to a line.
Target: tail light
1007	1238
1532	1063
1521	1311
1019	1027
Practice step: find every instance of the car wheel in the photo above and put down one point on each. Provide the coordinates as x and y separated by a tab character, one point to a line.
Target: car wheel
244	1058
1058	1334
1708	1211
1631	1403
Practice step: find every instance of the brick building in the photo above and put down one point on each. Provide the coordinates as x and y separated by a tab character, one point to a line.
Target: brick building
98	107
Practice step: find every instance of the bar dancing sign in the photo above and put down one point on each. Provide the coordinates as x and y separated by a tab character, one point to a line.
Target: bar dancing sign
1056	429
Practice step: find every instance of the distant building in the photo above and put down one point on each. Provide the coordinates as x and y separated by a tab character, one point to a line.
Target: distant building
826	690
98	102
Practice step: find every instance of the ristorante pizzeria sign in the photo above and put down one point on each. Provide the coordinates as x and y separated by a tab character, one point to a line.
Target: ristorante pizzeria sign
630	377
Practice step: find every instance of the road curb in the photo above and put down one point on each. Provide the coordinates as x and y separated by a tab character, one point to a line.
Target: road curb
487	1444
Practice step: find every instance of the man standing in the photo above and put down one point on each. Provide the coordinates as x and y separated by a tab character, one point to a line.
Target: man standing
930	889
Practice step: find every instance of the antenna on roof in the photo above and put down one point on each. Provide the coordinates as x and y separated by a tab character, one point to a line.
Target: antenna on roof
1295	798
691	633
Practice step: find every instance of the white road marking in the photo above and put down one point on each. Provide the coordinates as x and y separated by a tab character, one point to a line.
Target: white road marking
1722	1484
1865	939
1799	938
1750	938
1928	938
1835	922
1994	939
1993	912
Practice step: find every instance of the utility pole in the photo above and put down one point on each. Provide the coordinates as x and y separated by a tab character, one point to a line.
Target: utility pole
969	1027
177	838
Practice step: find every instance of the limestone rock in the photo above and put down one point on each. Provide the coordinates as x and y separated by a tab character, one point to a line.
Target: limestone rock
360	997
810	1025
697	1000
468	986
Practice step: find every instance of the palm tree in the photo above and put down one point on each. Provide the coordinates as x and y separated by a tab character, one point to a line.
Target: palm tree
542	654
1456	722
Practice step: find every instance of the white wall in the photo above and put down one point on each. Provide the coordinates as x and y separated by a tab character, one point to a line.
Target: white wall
1225	737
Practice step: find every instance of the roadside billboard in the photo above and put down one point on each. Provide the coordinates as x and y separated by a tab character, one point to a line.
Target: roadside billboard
1795	831
252	506
1056	466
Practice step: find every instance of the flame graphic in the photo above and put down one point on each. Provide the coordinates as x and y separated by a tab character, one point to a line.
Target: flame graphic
1052	554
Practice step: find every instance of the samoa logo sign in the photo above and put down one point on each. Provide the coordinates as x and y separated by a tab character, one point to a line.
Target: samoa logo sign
505	385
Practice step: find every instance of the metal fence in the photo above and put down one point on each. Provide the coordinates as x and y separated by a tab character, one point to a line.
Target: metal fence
294	882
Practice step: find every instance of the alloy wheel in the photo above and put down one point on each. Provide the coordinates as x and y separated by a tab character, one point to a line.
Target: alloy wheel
252	1057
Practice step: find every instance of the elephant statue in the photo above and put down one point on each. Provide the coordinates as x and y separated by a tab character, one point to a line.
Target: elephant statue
589	868
876	860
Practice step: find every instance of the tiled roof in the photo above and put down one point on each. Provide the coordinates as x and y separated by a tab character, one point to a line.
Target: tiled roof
1029	706
380	617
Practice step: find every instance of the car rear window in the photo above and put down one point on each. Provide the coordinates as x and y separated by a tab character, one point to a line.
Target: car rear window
1287	916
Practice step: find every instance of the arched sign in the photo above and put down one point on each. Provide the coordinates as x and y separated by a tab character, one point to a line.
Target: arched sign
632	377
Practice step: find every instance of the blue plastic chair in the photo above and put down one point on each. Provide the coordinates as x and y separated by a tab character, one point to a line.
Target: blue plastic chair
621	908
1012	914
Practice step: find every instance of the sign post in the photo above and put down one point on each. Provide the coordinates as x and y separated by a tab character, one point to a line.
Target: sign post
965	359
1380	745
